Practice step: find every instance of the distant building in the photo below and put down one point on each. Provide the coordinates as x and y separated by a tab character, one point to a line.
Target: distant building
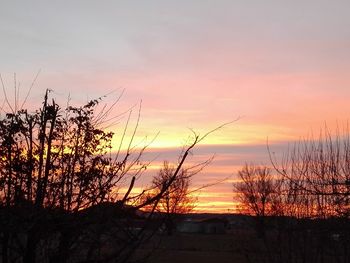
214	226
204	226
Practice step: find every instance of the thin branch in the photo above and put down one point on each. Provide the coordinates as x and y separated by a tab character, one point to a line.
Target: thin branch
30	89
5	95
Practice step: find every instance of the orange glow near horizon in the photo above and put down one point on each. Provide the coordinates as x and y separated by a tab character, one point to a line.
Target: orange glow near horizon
228	159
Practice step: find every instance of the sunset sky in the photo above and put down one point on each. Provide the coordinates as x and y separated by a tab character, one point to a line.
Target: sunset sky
281	67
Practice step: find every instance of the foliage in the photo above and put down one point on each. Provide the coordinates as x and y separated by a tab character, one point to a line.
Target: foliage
59	181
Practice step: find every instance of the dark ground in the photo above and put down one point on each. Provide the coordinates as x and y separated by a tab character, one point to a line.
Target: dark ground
299	241
193	248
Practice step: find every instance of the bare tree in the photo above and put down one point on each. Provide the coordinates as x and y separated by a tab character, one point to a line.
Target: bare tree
311	186
318	172
259	193
176	199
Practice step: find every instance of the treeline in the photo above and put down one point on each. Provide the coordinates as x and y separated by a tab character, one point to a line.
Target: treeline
303	199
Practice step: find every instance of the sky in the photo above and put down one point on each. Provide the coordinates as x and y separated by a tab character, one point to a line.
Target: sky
280	67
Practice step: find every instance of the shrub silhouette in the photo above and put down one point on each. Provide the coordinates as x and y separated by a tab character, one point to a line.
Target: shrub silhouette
58	187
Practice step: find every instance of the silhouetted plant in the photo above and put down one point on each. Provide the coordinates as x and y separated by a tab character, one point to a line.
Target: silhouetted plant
318	172
310	186
59	181
177	199
259	194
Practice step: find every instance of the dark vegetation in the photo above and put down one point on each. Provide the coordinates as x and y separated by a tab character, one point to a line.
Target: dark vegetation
176	200
301	204
59	186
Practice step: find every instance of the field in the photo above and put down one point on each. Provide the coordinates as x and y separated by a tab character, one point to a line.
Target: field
202	248
311	244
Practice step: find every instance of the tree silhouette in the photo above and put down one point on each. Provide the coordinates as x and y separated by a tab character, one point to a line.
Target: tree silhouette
259	193
317	171
59	181
307	193
176	199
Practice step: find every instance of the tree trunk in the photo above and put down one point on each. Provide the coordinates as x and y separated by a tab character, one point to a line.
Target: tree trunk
4	249
32	242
